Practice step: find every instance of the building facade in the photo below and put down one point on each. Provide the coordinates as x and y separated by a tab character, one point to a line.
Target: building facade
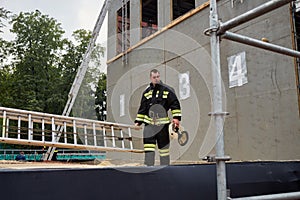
261	88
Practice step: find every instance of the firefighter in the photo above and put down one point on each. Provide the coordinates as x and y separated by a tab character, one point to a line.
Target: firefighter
156	101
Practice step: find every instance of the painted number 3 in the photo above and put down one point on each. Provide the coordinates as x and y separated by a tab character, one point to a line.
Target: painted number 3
184	86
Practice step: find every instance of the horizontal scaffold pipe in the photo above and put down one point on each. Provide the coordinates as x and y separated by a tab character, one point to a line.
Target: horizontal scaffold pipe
258	43
282	196
251	14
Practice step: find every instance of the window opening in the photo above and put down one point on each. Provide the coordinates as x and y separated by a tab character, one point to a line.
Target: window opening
180	7
123	27
149	17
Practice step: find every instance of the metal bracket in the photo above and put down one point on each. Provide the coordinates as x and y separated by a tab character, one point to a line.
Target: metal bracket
224	158
218	113
208	31
216	159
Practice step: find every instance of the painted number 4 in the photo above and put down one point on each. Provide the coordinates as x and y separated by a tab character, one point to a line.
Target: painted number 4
237	70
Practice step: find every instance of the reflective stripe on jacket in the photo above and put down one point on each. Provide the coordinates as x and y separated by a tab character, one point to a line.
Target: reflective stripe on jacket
162	95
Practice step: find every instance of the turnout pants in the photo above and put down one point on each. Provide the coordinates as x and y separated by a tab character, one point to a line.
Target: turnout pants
156	134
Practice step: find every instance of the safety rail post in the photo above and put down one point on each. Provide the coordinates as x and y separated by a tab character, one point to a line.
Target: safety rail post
104	136
7	127
121	133
94	134
4	123
113	136
29	126
130	140
31	129
65	133
74	132
19	127
85	135
43	130
53	129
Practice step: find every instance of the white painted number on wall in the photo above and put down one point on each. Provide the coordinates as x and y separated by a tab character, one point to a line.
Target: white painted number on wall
237	70
122	105
184	85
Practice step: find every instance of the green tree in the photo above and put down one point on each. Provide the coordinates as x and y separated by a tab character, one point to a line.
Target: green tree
6	84
39	66
43	66
85	101
5	70
100	98
37	47
4	15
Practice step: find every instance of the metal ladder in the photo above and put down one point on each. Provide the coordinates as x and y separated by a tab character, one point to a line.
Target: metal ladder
40	129
81	70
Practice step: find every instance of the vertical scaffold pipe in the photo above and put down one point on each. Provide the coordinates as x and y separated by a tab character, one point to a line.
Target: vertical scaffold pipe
217	101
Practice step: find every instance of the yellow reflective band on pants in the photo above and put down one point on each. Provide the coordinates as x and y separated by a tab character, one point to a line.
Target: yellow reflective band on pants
164	152
149	147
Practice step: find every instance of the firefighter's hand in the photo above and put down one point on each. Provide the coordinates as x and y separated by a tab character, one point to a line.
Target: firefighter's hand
176	122
137	126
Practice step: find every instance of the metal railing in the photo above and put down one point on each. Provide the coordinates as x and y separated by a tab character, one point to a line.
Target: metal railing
41	129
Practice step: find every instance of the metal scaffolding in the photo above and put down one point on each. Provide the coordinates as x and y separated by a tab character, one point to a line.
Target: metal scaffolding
219	30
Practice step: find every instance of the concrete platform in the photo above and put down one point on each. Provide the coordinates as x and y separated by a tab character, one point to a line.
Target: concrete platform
148	183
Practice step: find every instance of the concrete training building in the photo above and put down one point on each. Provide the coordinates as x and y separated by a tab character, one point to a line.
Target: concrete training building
261	88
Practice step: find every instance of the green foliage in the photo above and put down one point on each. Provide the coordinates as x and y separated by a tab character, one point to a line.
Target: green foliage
6	85
6	78
100	98
35	57
4	15
38	67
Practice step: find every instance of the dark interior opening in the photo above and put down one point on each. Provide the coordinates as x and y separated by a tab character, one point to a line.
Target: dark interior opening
149	17
180	7
123	39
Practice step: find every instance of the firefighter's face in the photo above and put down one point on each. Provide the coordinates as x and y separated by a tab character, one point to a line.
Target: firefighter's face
155	78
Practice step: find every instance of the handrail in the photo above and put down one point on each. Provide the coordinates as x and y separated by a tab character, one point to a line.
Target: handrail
40	129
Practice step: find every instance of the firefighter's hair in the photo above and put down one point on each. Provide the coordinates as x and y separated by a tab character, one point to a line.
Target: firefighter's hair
153	71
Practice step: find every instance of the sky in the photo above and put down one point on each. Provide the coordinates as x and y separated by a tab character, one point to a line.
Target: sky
72	14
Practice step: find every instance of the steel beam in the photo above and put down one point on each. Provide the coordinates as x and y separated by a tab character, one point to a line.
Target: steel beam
258	43
251	14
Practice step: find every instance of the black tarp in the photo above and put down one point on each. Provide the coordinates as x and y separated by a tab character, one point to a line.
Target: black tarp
149	183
